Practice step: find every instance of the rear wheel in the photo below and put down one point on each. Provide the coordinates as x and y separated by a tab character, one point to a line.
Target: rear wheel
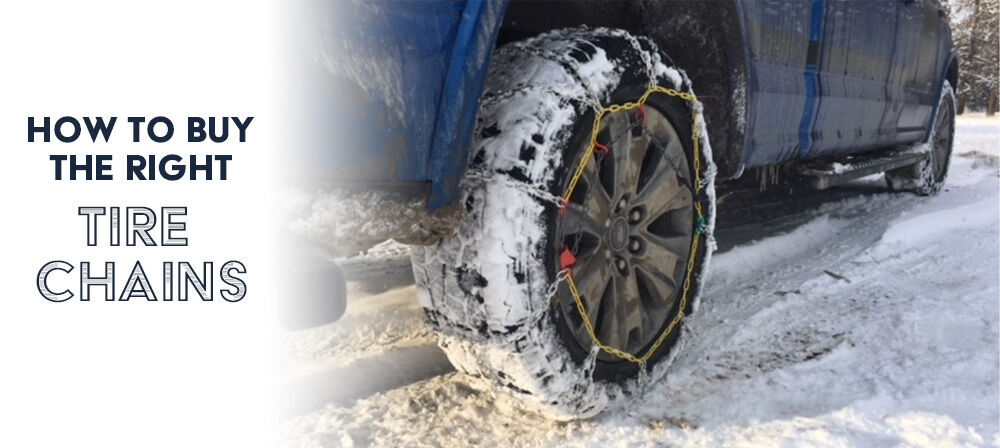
493	291
927	177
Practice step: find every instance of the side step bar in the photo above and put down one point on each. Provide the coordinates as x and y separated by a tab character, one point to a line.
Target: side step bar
835	173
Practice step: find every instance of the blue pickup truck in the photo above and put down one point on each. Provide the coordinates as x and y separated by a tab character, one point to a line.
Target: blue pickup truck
554	163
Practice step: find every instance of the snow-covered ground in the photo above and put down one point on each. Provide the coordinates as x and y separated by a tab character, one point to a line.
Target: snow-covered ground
846	317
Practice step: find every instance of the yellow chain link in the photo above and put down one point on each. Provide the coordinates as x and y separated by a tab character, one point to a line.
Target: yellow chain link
695	131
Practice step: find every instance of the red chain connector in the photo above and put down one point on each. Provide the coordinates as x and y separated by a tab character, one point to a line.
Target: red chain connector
640	113
601	149
567	259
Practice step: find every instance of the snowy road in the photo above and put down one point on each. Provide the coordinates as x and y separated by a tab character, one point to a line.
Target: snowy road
845	317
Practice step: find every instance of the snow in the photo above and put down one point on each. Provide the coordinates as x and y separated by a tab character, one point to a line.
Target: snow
874	322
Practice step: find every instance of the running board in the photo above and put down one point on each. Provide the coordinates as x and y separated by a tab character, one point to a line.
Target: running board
834	173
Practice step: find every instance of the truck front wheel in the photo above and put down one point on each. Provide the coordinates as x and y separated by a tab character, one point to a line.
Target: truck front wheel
628	248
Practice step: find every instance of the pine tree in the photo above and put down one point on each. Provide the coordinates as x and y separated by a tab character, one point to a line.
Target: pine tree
976	31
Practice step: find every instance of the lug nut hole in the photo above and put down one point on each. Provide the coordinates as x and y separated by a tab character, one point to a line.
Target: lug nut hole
634	244
635	215
621	264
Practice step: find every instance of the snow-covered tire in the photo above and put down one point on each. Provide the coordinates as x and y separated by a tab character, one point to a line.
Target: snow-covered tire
486	291
926	177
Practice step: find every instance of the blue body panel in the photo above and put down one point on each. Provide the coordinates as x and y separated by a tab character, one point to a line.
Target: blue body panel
840	76
403	80
463	84
823	77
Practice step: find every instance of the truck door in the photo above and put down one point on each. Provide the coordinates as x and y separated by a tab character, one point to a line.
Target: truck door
915	72
821	69
855	63
778	40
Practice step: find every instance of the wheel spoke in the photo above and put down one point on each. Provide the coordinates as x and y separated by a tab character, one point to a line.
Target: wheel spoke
661	286
627	158
639	148
598	197
658	189
660	258
591	281
669	196
581	218
614	325
631	309
679	244
668	139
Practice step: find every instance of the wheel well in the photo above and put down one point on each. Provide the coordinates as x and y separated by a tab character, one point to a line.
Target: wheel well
952	75
702	38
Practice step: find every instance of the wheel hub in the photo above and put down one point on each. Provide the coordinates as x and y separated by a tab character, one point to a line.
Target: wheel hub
618	234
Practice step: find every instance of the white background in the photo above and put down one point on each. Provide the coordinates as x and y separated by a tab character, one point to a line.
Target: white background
136	373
